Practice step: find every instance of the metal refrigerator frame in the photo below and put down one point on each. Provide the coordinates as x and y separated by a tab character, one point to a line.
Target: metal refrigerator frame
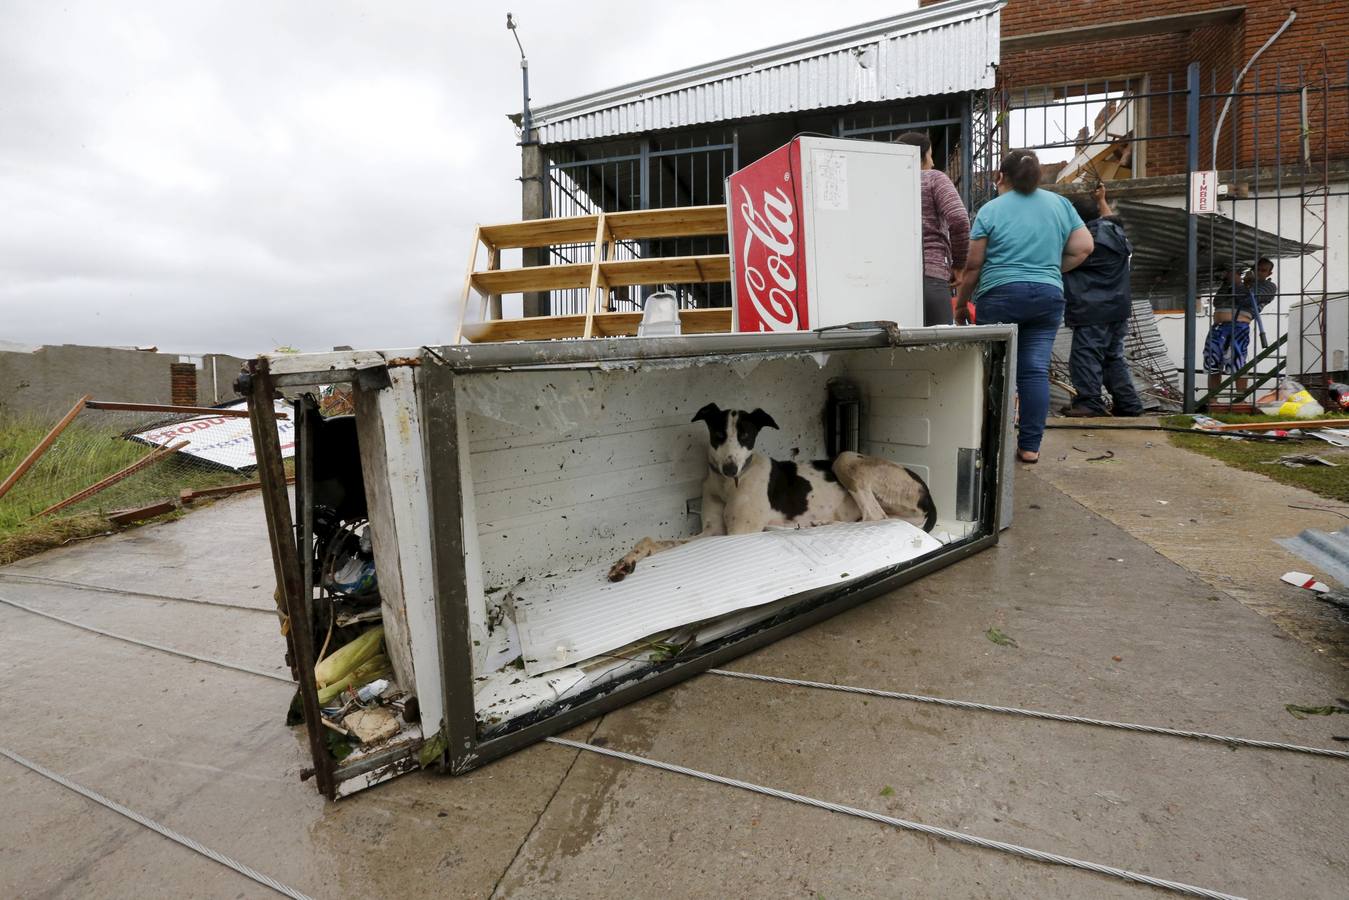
453	741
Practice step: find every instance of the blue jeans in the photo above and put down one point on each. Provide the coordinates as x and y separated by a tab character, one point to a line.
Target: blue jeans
1098	354
1037	311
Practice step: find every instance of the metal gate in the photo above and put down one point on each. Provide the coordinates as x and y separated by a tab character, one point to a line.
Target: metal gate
655	172
1269	137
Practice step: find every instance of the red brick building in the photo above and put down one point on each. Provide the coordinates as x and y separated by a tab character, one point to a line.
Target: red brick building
1055	50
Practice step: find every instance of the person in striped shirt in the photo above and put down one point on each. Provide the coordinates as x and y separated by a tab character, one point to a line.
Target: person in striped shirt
946	235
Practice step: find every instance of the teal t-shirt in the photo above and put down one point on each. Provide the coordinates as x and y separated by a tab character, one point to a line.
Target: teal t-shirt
1026	234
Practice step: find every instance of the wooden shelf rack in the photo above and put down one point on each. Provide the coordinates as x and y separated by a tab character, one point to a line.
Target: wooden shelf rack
602	231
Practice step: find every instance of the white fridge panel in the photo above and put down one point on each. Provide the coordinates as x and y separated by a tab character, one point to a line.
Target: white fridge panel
862	206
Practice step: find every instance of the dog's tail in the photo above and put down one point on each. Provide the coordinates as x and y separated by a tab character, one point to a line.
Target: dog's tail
926	505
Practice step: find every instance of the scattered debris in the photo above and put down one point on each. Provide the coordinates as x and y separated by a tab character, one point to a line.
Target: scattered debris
1300	461
373	724
1302	712
433	749
1117	658
995	635
140	514
1329	509
1303	580
1336	437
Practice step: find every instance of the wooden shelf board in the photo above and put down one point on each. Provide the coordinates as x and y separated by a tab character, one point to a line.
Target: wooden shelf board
541	232
536	278
624	324
688	221
667	270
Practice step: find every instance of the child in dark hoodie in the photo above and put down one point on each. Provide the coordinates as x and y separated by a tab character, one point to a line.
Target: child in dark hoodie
1098	306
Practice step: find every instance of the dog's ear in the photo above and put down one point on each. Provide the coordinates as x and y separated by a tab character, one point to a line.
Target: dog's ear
762	419
707	413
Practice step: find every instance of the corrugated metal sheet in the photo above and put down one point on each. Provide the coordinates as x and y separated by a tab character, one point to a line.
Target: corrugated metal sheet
1150	363
1158	235
943	49
1327	550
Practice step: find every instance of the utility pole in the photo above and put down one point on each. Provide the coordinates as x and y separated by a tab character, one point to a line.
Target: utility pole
533	181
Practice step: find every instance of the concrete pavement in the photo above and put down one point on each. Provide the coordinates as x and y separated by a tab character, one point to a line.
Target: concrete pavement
205	750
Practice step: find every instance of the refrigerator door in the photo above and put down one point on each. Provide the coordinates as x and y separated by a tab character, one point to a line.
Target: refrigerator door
862	205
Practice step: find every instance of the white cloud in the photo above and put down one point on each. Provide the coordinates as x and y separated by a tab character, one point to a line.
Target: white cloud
230	176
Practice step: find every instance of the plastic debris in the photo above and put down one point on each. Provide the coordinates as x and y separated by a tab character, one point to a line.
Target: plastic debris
1300	461
1303	580
372	690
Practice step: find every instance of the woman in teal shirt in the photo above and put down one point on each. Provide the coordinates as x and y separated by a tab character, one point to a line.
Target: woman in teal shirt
1021	243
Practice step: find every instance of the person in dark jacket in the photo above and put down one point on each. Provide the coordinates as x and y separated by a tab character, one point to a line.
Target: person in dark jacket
1097	309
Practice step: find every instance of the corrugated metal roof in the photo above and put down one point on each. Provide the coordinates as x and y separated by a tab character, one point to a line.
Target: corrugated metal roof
942	49
1327	550
1158	235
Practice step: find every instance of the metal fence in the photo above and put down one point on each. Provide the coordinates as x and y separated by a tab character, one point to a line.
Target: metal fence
651	173
1271	136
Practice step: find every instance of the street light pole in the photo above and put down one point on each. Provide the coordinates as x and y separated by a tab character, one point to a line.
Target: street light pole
526	126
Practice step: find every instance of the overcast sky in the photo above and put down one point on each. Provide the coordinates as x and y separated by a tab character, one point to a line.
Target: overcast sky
211	176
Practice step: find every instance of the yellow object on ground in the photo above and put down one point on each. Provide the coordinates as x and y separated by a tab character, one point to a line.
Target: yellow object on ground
349	656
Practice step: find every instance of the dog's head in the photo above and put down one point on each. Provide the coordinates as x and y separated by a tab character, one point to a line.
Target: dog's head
731	434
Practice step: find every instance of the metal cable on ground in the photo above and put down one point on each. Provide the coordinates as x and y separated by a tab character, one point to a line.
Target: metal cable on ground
139	643
1037	714
247	871
61	582
934	831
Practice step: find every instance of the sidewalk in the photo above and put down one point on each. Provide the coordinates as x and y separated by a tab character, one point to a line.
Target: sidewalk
204	750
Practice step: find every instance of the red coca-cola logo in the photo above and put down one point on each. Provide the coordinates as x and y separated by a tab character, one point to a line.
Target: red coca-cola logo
772	226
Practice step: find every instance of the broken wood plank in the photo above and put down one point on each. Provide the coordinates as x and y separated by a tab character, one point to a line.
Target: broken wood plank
170	408
42	446
191	496
140	514
154	456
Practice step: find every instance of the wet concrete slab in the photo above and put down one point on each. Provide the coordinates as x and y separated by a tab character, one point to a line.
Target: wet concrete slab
1215	520
205	751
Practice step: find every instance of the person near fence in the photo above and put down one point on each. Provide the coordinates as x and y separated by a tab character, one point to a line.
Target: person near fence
1229	337
1097	307
1262	283
1020	245
946	234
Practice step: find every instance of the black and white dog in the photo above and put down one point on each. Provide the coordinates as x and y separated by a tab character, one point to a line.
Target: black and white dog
745	492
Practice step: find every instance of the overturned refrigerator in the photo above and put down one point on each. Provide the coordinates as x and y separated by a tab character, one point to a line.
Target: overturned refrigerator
469	501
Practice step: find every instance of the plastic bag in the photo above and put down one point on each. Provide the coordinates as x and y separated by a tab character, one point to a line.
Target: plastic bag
1290	400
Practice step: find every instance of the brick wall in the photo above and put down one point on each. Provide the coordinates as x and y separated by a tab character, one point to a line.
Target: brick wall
1221	50
183	384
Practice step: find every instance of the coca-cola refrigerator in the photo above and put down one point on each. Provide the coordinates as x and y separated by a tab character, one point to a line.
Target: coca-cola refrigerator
824	232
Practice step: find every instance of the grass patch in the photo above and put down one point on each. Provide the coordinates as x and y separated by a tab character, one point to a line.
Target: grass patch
86	452
1258	456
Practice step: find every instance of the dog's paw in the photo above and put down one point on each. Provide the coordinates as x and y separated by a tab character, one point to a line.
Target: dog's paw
622	569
